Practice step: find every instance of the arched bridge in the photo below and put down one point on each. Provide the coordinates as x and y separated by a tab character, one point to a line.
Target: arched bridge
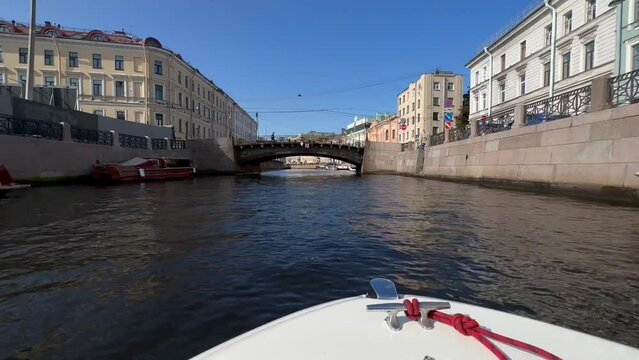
251	154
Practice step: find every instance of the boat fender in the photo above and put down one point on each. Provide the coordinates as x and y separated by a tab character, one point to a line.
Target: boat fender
141	172
194	170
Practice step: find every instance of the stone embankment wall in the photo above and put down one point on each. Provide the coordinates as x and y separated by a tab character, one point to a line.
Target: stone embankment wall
594	154
42	160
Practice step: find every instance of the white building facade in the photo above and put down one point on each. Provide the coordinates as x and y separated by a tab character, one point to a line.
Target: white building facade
355	132
559	46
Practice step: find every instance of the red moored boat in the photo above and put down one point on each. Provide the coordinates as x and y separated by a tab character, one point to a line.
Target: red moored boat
140	169
6	181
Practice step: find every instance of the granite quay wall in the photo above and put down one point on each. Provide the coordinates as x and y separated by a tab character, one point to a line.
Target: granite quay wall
594	154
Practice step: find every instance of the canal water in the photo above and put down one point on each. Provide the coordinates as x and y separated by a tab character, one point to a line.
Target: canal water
167	270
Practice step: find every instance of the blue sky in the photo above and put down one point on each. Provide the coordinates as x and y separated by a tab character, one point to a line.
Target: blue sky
346	56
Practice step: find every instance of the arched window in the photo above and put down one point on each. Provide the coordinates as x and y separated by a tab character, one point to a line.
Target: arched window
386	135
51	33
4	29
97	37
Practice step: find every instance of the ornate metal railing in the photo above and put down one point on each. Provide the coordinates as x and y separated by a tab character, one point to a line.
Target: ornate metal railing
10	125
159	144
457	134
437	139
134	142
177	144
498	122
91	136
561	106
624	89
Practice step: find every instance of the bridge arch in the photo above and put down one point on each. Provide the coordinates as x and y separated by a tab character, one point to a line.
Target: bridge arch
251	154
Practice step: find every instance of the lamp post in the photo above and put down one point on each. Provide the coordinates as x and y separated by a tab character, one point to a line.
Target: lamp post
32	25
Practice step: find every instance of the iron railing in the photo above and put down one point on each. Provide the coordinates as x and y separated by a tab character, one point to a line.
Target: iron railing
624	89
457	134
159	144
10	125
496	122
574	102
134	142
437	139
91	136
177	144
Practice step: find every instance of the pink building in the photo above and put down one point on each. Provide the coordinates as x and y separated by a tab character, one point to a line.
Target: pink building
384	130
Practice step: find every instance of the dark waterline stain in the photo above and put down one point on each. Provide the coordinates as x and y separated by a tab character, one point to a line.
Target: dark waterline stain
168	270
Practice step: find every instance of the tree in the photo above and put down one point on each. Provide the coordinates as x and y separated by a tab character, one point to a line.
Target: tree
461	120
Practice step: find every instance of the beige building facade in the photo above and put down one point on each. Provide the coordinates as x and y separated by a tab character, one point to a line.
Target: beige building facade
422	105
125	77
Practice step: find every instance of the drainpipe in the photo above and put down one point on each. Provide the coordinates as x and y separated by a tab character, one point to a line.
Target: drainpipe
490	82
146	86
553	46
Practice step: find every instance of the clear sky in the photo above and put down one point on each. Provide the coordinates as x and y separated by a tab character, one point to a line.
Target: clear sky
345	56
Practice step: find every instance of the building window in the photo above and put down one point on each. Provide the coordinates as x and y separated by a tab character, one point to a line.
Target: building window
476	77
591	9
22	78
23	54
548	35
198	89
48	57
192	105
483	99
97	87
159	119
522	84
450	102
413	120
590	55
635	57
522	50
636	11
4	29
503	62
98	112
74	83
159	92
565	66
180	99
419	103
386	135
450	86
502	92
49	81
435	101
119	88
97	37
97	61
180	125
0	54
547	74
119	62
435	130
435	116
476	103
436	86
180	81
120	115
186	82
186	102
393	134
158	67
73	59
567	22
1	78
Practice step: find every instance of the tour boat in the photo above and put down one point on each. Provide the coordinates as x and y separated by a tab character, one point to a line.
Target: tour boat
141	169
384	325
6	181
341	167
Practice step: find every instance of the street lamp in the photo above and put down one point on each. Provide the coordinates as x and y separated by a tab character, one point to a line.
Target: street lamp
29	90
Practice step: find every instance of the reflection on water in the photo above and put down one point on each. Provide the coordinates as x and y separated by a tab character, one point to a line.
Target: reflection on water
167	270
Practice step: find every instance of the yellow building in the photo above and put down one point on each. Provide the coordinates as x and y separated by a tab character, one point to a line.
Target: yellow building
121	76
422	105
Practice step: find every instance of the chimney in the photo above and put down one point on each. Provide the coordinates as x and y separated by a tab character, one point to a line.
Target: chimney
47	23
59	26
13	22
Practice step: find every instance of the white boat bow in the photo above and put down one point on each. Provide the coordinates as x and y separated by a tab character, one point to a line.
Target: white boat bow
358	328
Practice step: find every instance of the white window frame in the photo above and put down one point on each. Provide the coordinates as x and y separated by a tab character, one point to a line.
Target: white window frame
155	119
564	22
502	92
125	86
163	92
44	80
450	86
583	55
3	78
587	14
629	61
103	89
79	83
632	16
436	86
126	115
522	83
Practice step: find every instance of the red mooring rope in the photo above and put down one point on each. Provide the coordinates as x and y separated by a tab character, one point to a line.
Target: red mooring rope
469	327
